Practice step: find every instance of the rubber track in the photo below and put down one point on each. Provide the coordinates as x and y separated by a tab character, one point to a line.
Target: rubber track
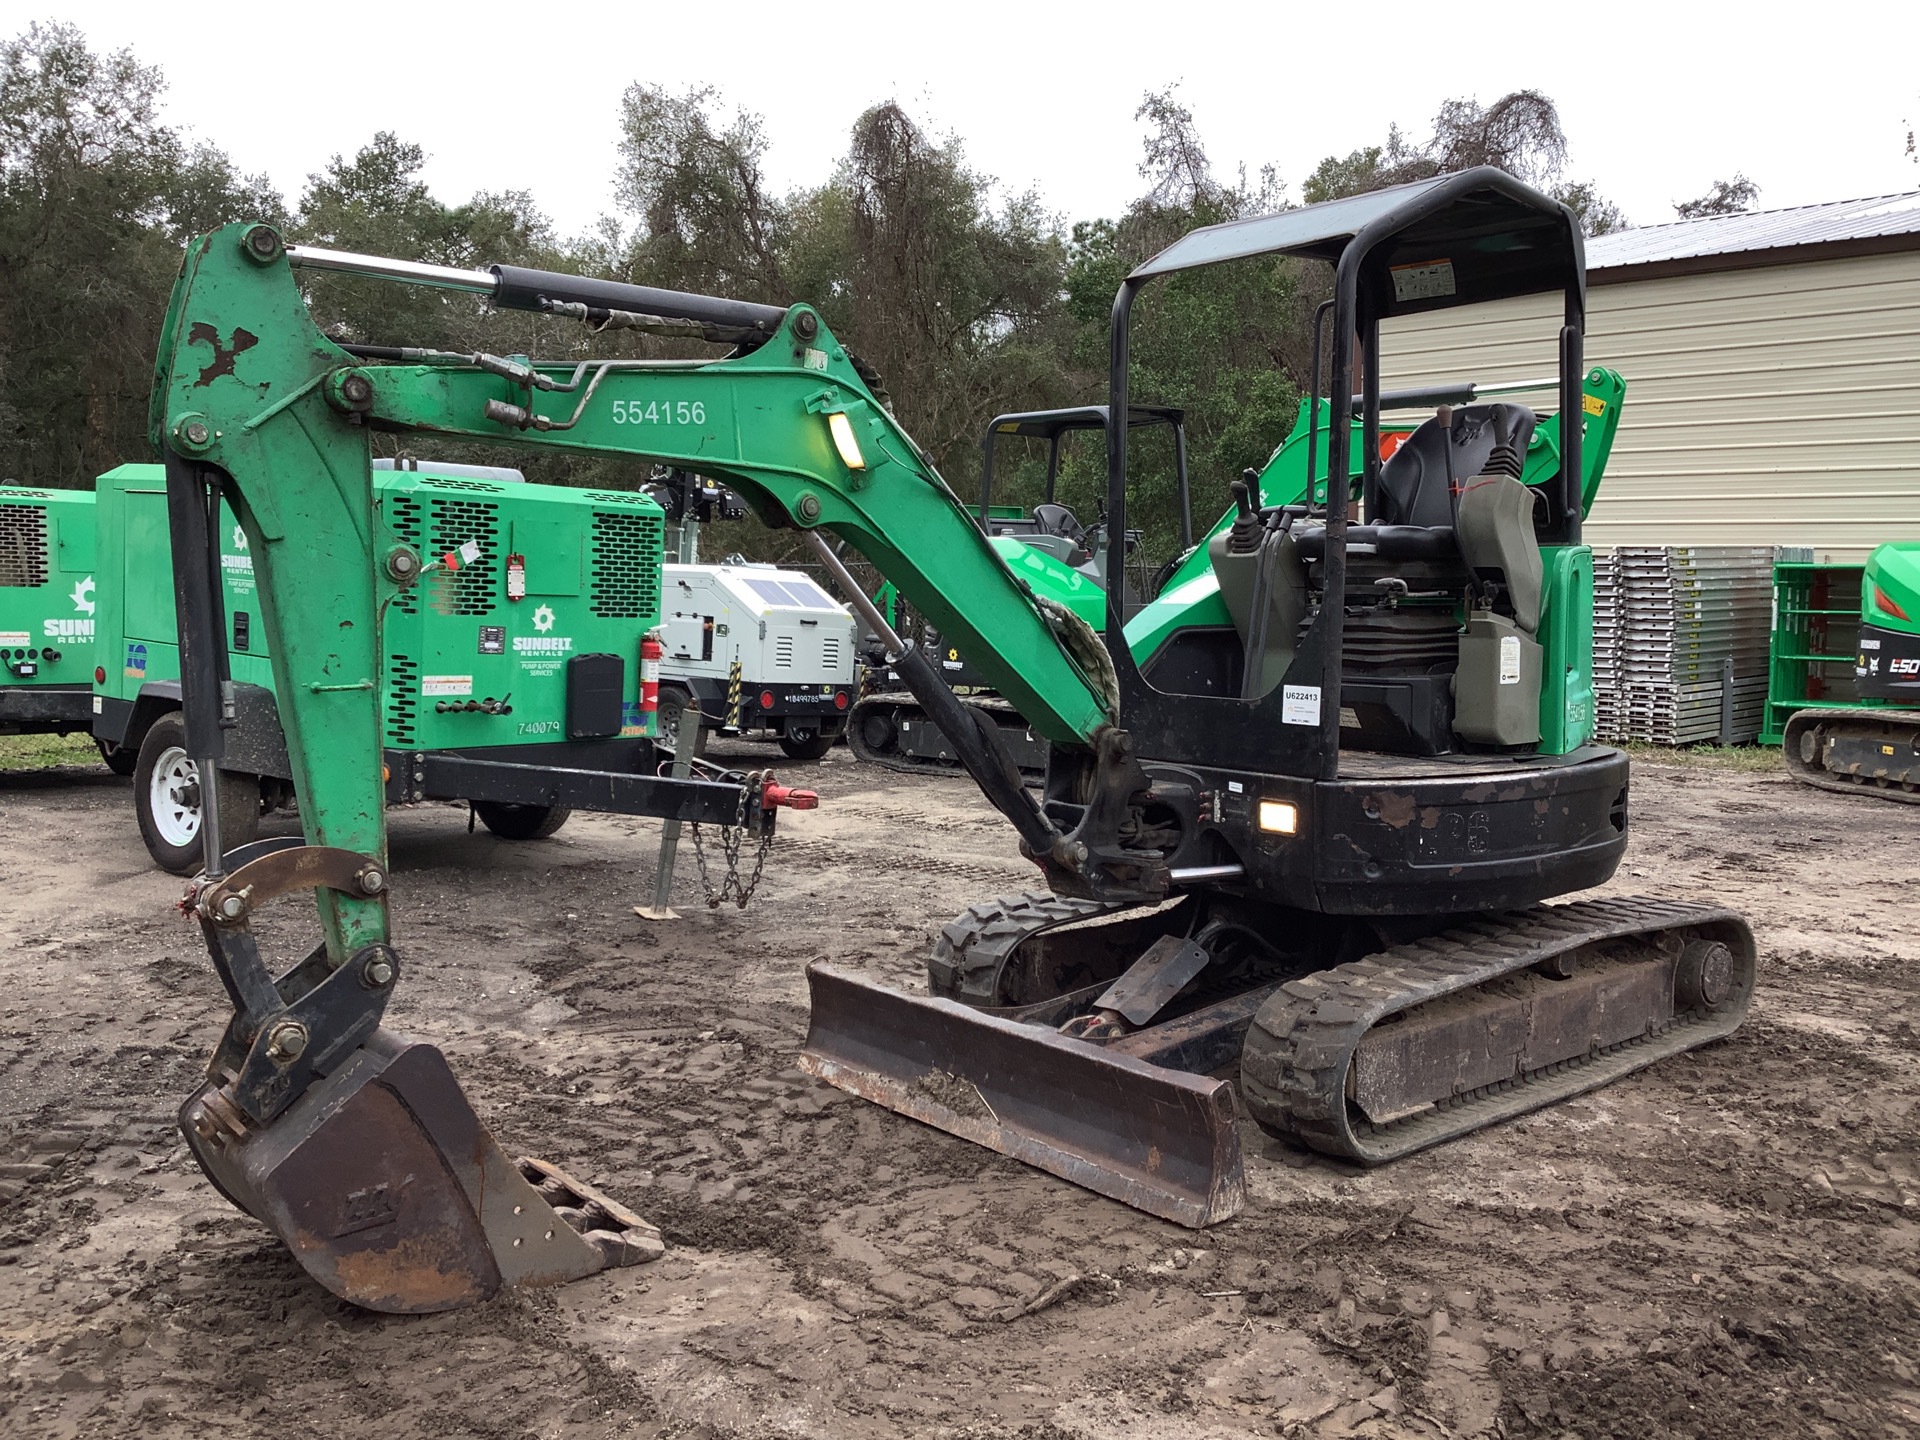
1821	777
912	765
973	949
1293	1069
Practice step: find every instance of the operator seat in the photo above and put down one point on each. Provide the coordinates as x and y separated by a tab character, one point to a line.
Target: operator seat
1416	514
1055	519
1413	481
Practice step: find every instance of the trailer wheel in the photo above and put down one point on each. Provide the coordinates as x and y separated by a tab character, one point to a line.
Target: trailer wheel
520	822
119	758
806	742
673	704
166	799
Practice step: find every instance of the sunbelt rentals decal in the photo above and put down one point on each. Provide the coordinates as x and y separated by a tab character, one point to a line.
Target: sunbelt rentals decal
237	565
542	652
83	606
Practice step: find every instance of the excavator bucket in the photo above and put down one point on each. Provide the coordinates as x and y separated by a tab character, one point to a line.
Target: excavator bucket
1156	1138
390	1192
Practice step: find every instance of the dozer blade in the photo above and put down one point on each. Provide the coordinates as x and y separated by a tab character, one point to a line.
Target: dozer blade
385	1185
1158	1139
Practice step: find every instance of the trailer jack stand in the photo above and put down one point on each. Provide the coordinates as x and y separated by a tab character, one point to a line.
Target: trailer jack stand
684	741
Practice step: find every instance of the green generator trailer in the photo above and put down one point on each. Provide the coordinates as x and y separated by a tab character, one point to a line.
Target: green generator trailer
47	611
511	671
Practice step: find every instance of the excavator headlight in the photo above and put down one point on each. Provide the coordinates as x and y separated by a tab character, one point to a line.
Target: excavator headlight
844	440
1279	817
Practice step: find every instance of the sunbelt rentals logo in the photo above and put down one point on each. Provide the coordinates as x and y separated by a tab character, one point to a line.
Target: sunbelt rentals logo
543	644
83	604
239	562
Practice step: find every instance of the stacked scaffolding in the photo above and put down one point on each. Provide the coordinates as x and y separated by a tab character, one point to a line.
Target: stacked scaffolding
1683	631
1609	716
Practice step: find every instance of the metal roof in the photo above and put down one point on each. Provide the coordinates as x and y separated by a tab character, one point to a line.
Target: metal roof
1879	215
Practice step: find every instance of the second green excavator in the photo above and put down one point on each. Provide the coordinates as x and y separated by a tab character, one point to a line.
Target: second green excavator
1872	749
1300	849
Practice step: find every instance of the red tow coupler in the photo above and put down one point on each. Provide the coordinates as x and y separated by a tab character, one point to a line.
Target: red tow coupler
775	796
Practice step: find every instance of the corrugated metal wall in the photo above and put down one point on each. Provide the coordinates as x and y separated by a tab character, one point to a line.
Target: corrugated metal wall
1774	406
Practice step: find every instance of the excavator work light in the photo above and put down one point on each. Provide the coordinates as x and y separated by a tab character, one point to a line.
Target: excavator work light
844	441
1279	817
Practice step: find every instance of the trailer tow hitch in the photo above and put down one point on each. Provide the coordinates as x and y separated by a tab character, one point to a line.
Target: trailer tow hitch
749	819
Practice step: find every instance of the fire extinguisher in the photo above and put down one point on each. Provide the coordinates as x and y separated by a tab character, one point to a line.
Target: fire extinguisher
651	651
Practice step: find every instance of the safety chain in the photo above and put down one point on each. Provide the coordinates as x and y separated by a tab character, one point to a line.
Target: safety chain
732	837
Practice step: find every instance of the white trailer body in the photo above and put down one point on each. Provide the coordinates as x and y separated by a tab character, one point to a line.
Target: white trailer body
795	647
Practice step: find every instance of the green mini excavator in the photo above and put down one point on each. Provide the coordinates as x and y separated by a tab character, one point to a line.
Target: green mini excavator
1872	749
1301	846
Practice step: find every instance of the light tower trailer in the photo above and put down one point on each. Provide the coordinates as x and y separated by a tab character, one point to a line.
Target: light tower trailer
766	652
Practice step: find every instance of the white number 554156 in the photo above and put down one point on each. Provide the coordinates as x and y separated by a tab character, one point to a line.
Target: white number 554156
659	412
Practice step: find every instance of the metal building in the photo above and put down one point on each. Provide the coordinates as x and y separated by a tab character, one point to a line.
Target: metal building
1773	374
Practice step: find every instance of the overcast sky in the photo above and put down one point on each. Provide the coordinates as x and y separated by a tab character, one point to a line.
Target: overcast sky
1657	100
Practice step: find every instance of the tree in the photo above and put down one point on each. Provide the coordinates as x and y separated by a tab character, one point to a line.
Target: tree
1597	214
707	221
949	295
377	204
1519	133
96	196
1224	343
1727	197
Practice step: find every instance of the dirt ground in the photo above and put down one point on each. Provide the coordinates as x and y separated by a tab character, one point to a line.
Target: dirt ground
1724	1245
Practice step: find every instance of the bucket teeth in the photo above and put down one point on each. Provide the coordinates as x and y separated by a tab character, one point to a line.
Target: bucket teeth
389	1191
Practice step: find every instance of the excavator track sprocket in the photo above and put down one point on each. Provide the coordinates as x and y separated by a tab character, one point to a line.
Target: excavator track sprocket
1619	983
1856	752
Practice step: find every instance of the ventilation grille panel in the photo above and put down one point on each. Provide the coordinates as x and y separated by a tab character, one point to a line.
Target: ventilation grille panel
403	699
783	652
470	590
626	566
23	545
441	482
830	652
403	519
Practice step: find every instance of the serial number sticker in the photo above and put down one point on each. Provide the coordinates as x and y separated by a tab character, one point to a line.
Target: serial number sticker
1509	659
446	684
1426	280
1300	704
659	412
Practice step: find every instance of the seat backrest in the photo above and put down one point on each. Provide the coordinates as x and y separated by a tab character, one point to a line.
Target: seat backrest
1413	482
1057	520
